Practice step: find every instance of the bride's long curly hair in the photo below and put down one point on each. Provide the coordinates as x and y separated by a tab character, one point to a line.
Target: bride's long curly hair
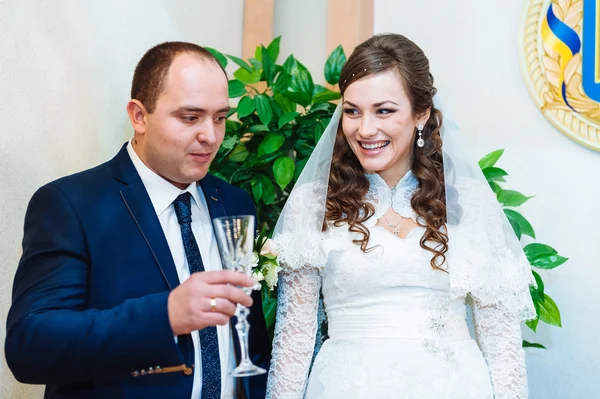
348	184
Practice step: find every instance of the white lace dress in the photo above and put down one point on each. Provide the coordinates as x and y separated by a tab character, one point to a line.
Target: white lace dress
397	328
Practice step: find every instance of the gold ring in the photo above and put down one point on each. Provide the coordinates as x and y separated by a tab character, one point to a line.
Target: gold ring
213	304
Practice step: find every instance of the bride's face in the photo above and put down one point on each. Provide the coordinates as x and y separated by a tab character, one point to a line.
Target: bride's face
379	124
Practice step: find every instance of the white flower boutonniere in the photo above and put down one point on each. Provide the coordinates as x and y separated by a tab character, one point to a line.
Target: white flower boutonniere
266	268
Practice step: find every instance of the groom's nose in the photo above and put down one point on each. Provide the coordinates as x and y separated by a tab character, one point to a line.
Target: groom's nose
207	132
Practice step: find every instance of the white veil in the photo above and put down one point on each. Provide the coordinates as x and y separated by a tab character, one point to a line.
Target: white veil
485	256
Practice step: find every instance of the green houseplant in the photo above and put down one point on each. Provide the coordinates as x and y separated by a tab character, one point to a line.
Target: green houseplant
281	114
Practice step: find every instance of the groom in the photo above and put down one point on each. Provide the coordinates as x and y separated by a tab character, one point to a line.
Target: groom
120	291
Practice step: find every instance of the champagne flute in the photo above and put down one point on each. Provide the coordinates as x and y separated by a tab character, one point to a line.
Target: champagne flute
235	239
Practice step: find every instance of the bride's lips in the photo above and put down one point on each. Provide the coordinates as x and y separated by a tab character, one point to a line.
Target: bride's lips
372	147
201	157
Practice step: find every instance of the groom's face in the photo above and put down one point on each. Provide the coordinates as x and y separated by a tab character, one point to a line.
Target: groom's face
186	129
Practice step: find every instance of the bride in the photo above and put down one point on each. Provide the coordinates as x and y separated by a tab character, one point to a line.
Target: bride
397	228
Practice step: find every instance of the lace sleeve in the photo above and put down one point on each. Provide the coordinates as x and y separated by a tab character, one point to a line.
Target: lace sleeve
499	336
295	331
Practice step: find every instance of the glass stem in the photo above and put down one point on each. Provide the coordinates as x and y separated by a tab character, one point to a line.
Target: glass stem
243	328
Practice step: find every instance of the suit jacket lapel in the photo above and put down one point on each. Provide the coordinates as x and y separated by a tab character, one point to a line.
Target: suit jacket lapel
213	198
137	201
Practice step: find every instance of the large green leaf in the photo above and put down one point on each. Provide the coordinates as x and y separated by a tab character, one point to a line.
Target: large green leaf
490	159
271	143
512	198
268	195
326	96
236	89
245	107
299	98
263	108
256	189
537	293
549	312
286	118
548	262
543	256
258	128
268	66
334	64
519	224
533	324
256	64
304	147
282	82
320	107
218	55
319	129
239	154
301	83
229	142
285	103
495	187
283	170
274	48
492	173
527	344
240	62
247	77
535	250
258	53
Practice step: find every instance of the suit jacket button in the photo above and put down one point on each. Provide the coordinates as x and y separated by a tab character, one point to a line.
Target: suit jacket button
150	370
135	373
143	372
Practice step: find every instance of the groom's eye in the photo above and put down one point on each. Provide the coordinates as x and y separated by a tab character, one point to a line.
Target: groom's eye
189	118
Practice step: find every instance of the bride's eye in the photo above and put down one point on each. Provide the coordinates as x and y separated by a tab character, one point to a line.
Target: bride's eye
351	111
385	111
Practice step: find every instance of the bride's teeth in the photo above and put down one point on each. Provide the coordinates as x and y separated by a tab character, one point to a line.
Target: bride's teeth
373	146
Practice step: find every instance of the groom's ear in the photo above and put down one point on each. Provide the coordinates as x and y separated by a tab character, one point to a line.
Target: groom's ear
137	116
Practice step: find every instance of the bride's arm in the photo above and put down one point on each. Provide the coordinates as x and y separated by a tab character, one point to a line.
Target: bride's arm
295	330
499	337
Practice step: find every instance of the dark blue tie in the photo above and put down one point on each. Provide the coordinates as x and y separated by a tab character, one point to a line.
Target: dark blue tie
209	344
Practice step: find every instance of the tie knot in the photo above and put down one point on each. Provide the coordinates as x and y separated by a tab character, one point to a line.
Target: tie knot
183	208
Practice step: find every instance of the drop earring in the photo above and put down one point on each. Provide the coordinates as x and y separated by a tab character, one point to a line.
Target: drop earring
420	141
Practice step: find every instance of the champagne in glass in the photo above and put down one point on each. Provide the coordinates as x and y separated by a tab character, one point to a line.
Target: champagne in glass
235	238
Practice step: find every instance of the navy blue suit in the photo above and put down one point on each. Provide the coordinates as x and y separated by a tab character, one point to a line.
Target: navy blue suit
90	293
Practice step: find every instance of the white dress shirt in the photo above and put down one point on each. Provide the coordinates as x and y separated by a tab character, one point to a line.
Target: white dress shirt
162	194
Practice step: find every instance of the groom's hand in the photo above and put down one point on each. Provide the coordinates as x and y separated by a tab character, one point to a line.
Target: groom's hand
190	306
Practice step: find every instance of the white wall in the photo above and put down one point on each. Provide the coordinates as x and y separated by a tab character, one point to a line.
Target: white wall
473	49
65	73
303	27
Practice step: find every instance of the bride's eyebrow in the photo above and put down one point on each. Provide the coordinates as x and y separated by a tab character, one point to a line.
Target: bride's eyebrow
383	102
379	104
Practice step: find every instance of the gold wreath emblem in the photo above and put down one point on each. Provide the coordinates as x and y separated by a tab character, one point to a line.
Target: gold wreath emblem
545	69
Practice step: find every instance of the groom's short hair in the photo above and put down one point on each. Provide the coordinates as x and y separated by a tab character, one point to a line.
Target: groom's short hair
151	70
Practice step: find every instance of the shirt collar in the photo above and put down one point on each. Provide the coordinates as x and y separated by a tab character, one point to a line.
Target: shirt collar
161	192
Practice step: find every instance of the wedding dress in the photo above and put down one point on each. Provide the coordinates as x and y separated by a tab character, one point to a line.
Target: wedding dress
397	327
